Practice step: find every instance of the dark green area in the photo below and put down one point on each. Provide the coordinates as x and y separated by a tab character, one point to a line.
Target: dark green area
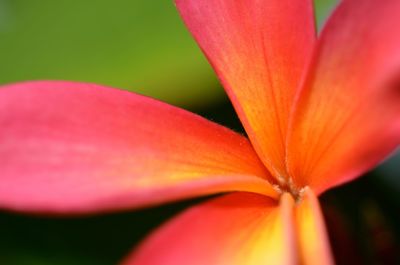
103	239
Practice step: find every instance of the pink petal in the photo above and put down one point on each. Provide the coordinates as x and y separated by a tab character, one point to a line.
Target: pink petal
259	50
240	228
348	114
70	147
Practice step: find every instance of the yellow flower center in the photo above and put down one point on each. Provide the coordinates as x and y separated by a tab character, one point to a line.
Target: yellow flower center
286	185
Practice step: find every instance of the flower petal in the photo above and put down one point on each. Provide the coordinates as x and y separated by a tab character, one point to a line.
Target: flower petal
259	50
239	228
71	147
311	233
347	117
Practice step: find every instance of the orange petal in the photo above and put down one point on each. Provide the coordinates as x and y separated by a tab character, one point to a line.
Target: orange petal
311	233
73	147
239	228
347	117
259	50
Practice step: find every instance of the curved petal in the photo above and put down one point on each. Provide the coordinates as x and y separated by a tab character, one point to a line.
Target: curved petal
347	117
259	50
71	147
311	233
239	228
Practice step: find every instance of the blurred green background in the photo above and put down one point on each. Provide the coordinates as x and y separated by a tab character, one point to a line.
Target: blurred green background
142	46
138	45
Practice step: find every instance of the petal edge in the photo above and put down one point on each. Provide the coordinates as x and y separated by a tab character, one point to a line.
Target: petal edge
72	148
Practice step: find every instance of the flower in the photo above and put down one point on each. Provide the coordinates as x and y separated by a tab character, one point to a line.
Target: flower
318	113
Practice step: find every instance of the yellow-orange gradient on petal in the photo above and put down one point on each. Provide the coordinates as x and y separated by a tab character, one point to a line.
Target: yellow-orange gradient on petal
235	229
312	238
259	50
347	116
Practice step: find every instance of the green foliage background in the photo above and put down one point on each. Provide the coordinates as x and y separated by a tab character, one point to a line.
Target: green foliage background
138	45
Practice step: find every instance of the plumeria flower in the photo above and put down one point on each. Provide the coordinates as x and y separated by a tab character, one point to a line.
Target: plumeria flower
318	113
